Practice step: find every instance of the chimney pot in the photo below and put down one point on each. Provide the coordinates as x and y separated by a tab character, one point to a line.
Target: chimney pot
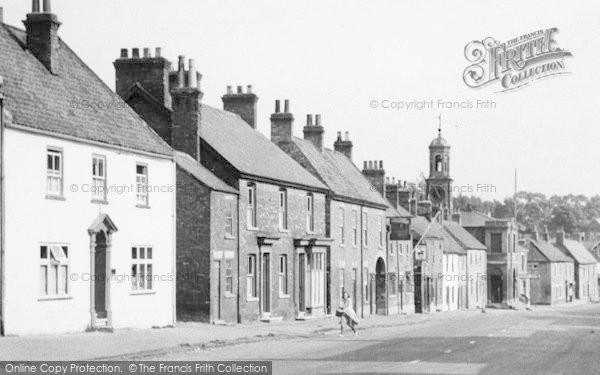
158	52
380	164
47	6
146	53
387	180
192	76
135	53
239	90
394	180
229	90
370	164
365	165
277	106
35	6
249	89
181	72
124	53
309	120
317	120
286	106
347	136
339	136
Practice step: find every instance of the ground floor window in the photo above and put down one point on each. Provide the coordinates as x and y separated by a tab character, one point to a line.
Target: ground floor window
229	276
54	270
251	277
283	275
141	268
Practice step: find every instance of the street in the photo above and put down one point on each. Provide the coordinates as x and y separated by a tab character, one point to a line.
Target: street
557	340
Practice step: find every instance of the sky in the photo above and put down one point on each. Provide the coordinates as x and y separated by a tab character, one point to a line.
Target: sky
337	57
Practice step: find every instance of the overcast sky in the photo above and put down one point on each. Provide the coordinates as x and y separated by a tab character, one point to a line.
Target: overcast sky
334	57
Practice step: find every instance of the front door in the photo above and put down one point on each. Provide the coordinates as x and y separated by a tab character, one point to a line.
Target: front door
301	282
380	288
216	297
100	277
266	283
418	291
496	288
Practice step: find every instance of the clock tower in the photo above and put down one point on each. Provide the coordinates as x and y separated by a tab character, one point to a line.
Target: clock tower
439	183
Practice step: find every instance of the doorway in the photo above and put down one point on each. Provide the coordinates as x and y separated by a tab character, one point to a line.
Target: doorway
301	282
418	291
216	297
380	288
100	277
266	283
497	288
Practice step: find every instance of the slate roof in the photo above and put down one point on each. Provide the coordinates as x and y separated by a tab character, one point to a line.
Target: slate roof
550	252
462	236
74	102
592	248
419	225
200	173
335	170
577	251
249	151
472	219
451	246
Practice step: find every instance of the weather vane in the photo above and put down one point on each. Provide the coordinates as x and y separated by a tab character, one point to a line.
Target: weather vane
440	125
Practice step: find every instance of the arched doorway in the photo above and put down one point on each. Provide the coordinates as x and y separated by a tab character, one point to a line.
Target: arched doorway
380	287
496	286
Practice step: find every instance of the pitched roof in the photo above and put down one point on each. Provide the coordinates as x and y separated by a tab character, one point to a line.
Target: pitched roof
423	227
200	173
577	251
336	171
450	244
463	237
249	151
72	103
550	252
471	219
592	247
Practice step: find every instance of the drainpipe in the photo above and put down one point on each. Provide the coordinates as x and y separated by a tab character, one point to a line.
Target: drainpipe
239	260
387	268
362	266
2	214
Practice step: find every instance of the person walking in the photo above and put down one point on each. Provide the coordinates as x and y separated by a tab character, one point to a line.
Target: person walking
347	314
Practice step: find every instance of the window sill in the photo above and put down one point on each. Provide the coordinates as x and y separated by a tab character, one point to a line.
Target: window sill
54	298
311	232
251	299
229	237
253	229
142	293
55	197
283	230
144	206
100	201
229	295
284	296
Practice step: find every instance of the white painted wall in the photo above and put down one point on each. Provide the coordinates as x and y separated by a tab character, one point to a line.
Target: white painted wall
31	220
477	278
454	277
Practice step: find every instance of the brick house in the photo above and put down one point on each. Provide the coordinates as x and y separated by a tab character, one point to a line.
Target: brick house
552	272
500	237
206	248
476	264
89	235
356	213
586	278
283	256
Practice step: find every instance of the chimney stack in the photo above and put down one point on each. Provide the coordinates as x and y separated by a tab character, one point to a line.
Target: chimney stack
546	234
1	15
151	73
186	97
424	208
242	104
376	175
456	217
42	35
343	145
314	133
560	236
282	124
392	192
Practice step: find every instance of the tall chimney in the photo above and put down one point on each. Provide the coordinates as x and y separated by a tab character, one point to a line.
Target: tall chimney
151	73
282	124
343	145
42	35
424	208
392	191
376	176
242	104
314	133
560	236
185	125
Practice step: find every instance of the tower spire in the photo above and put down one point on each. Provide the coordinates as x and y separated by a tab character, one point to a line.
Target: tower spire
440	125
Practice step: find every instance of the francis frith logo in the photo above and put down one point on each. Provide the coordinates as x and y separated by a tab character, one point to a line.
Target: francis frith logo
515	63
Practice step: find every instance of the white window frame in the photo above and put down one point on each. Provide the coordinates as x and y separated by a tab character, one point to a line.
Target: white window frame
141	182
283	276
283	209
56	259
142	259
229	222
310	213
251	217
354	227
54	172
342	226
251	284
365	228
381	231
228	273
99	178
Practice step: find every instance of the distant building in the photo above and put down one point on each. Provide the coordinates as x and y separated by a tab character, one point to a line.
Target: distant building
454	273
586	277
552	272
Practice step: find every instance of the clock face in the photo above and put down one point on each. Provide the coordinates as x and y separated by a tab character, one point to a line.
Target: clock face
437	194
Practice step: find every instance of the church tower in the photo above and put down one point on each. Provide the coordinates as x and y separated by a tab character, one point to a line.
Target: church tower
439	183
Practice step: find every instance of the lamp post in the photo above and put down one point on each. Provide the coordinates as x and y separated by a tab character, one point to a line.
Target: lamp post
2	211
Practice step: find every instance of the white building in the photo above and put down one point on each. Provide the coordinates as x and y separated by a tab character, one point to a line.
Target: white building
89	192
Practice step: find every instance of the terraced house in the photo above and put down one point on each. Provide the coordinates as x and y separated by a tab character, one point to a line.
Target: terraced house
586	278
356	213
273	262
88	199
